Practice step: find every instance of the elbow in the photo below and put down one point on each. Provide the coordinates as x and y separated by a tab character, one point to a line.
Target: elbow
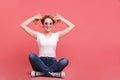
72	25
22	25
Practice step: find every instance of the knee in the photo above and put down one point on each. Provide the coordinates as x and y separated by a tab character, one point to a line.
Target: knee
32	56
64	61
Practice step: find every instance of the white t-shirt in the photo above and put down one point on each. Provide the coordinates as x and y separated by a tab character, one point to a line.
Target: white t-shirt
47	45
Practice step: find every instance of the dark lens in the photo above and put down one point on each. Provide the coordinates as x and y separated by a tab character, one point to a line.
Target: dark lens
51	23
46	23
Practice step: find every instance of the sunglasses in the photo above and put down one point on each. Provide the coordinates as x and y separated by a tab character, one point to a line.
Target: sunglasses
46	23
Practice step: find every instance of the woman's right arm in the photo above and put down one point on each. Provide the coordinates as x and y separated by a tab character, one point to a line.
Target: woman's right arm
25	24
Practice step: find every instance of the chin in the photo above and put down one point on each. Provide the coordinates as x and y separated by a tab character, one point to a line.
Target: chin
48	30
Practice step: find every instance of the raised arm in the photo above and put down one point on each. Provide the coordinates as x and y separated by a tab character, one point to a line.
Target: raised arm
68	23
25	24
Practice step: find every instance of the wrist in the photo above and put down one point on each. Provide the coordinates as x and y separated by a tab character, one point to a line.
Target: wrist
62	19
33	18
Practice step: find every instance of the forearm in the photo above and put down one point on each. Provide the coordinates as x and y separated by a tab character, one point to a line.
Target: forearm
28	21
25	27
68	23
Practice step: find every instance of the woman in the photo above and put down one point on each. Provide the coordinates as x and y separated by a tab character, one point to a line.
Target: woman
45	63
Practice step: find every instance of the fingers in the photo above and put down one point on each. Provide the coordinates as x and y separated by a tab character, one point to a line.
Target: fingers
57	18
38	16
58	15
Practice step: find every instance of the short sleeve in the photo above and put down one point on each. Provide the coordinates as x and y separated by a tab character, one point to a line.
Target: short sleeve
57	36
38	36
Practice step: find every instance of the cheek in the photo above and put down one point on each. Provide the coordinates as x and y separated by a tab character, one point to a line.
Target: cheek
52	26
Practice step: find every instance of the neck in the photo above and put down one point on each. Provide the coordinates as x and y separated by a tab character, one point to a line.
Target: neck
47	32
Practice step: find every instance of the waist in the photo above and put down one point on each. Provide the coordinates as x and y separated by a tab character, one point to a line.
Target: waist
47	54
48	57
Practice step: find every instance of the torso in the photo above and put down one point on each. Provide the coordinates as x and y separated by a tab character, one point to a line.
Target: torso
47	44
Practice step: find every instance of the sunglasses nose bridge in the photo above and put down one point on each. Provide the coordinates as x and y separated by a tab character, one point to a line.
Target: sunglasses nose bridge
48	24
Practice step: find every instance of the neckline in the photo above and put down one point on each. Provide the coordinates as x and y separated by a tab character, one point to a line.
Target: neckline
47	36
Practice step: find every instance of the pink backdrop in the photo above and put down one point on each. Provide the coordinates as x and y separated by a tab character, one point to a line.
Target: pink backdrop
93	47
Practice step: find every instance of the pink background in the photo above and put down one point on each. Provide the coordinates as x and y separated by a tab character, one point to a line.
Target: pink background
93	47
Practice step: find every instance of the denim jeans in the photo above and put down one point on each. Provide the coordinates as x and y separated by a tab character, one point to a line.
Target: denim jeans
47	64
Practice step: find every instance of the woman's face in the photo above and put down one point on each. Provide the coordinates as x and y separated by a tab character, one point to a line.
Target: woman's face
48	24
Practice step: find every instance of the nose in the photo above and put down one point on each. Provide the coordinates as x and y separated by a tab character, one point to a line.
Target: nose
48	25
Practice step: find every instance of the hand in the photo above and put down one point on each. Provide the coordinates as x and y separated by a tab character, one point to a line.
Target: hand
57	18
37	18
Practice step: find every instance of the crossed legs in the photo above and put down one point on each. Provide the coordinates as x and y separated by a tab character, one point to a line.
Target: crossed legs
38	64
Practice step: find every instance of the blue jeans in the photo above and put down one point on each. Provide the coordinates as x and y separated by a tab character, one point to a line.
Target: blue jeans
47	64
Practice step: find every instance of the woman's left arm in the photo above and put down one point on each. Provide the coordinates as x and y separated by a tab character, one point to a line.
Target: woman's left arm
68	23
